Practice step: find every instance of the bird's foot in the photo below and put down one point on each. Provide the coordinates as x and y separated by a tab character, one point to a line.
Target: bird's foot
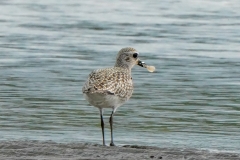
112	144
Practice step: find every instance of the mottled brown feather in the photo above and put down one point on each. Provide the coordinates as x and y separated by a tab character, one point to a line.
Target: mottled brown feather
114	81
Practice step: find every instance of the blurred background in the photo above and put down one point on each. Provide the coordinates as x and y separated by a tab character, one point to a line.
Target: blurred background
48	48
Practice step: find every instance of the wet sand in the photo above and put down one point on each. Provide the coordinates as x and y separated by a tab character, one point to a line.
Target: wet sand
37	150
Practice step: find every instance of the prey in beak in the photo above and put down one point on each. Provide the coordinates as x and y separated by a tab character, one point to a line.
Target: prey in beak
143	64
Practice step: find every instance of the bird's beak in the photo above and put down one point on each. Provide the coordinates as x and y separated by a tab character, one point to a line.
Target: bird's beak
142	64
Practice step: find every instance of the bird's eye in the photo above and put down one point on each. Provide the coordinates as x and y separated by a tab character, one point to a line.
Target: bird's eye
135	55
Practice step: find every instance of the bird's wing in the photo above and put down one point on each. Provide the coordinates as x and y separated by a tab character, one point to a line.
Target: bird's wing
113	81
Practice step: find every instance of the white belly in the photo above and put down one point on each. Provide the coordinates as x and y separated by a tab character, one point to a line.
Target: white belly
104	101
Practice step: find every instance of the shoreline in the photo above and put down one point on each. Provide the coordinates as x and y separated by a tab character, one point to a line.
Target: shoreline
74	151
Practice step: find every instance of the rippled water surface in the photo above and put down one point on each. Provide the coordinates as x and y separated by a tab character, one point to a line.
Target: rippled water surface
48	48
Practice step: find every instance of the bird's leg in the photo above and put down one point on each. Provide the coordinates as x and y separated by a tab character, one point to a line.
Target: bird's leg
102	125
111	126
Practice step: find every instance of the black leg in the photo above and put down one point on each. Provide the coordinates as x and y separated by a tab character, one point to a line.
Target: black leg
102	125
111	126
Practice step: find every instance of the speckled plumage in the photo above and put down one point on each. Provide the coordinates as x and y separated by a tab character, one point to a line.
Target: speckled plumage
108	88
113	83
111	87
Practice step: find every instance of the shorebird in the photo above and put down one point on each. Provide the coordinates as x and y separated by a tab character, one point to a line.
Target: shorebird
112	87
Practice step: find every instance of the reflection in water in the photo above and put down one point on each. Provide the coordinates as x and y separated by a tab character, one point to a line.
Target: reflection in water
192	100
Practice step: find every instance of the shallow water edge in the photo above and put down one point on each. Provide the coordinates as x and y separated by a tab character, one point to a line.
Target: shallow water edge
73	151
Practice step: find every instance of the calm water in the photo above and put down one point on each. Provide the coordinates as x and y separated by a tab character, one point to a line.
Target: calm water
47	49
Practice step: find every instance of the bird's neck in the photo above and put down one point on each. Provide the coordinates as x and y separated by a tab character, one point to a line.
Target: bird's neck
124	66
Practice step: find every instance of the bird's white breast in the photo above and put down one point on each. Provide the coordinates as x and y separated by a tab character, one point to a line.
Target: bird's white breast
104	100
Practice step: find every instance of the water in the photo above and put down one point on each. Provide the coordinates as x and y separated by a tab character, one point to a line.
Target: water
193	100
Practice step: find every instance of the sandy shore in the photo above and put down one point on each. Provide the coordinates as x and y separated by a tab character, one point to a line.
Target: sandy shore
37	150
